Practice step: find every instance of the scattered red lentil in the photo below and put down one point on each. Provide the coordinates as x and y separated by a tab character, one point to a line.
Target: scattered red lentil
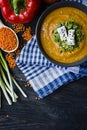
37	98
17	52
8	40
11	57
11	60
27	35
18	27
27	84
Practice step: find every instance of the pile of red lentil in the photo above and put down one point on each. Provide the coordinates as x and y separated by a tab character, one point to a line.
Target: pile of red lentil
26	35
7	43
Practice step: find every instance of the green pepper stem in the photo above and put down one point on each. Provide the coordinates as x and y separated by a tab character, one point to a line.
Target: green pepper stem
15	6
18	5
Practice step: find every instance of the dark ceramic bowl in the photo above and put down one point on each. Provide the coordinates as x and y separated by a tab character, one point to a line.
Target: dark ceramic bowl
39	24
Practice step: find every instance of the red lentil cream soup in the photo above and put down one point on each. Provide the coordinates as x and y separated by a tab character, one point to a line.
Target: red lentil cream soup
63	34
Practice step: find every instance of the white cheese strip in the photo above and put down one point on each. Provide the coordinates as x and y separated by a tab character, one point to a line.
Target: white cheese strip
71	37
70	42
63	33
71	33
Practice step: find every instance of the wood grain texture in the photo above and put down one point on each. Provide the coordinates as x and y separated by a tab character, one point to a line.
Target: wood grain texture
65	109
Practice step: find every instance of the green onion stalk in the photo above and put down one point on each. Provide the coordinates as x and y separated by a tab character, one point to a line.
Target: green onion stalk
7	81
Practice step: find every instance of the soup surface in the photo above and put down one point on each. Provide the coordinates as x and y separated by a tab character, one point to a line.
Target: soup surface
49	24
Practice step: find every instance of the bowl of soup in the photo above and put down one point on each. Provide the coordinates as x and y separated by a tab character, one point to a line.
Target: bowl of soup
61	33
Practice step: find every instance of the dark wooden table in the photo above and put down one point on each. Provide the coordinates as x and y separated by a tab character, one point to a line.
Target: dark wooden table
65	109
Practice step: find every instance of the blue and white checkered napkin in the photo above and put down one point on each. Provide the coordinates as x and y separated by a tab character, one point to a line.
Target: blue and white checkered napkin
44	76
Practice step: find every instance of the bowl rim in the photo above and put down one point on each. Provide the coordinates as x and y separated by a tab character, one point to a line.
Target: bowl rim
39	24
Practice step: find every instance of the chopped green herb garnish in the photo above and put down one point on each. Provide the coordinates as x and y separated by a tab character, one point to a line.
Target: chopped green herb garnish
60	25
79	36
69	24
56	37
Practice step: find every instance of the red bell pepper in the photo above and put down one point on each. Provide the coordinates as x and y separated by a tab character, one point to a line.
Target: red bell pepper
19	11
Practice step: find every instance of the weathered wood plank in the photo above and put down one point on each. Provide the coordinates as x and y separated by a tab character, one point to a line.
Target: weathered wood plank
66	109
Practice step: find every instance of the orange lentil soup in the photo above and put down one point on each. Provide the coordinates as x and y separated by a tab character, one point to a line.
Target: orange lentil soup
49	24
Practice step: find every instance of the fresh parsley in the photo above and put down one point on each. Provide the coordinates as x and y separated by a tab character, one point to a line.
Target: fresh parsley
79	36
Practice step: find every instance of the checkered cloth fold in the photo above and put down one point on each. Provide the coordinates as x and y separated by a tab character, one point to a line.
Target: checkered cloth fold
44	76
